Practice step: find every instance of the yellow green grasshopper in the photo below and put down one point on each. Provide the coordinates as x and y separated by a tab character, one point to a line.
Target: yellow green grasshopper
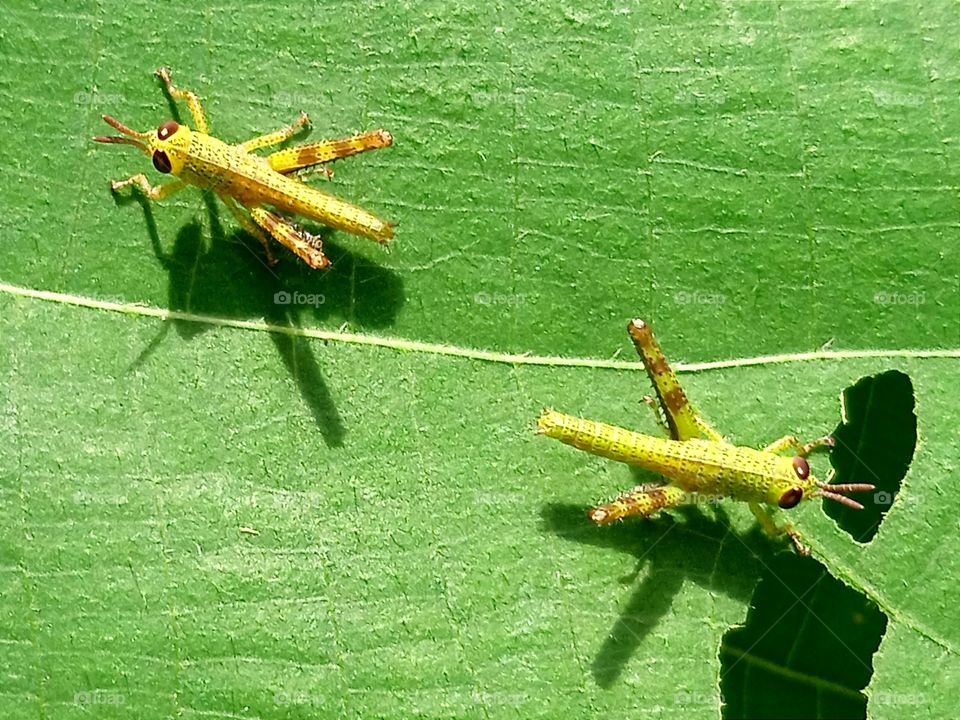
249	184
697	462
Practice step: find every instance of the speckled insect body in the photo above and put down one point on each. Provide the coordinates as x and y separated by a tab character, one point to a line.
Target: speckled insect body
695	458
255	188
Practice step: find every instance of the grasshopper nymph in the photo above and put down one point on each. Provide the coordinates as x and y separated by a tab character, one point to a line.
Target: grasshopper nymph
248	184
695	459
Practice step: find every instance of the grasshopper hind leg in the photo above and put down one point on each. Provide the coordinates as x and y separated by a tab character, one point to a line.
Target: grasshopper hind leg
300	157
682	418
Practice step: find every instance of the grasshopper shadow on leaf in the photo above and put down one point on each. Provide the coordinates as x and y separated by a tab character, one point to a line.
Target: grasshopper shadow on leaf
670	550
210	277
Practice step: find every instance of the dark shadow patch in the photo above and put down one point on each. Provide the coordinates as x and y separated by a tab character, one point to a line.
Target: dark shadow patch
874	444
805	650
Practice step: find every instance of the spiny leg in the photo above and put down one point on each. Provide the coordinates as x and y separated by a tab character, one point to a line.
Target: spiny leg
192	100
157	192
643	500
684	421
773	530
790	442
303	156
250	227
277	136
652	404
299	241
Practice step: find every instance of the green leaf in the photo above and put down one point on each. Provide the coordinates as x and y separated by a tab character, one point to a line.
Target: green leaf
754	179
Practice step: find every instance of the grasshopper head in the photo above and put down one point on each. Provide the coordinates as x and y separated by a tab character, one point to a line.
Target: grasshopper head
798	484
166	146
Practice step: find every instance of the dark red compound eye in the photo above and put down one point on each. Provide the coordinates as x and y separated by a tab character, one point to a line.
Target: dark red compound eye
801	467
161	162
167	129
791	497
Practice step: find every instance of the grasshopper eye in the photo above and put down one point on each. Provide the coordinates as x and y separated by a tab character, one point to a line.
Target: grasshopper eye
161	162
167	129
801	467
791	497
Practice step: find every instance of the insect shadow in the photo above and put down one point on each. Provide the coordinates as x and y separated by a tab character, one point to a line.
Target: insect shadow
684	545
225	276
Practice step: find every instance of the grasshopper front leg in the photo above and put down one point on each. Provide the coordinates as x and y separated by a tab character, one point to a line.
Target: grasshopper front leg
192	100
276	137
153	192
791	442
770	527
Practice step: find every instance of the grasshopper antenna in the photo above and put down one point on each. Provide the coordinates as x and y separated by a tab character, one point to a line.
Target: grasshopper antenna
120	127
835	492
